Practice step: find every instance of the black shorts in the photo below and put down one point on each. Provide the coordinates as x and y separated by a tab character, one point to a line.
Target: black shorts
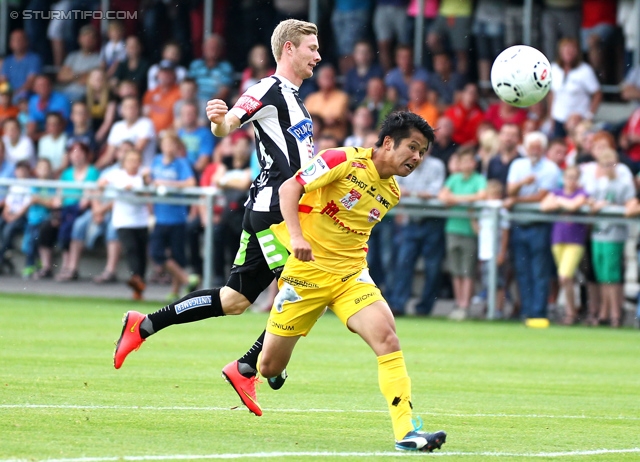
260	258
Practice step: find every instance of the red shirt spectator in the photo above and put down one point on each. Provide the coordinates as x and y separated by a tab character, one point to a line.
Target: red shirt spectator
502	113
466	116
596	12
630	136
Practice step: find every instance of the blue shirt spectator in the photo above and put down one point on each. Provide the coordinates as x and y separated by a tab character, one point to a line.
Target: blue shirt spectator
21	67
404	71
213	76
44	101
176	170
199	142
6	171
355	81
444	81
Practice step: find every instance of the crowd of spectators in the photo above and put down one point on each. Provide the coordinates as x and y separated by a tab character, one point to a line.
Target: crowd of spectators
124	110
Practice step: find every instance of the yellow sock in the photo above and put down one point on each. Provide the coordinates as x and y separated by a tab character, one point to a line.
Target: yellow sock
258	363
395	385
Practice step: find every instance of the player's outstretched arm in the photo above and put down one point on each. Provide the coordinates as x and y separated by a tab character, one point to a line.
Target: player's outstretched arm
290	193
222	122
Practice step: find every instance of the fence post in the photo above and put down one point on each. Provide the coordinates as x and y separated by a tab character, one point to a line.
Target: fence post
493	262
208	244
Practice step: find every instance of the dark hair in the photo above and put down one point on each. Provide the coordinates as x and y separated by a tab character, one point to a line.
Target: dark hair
557	140
398	126
57	115
464	151
23	164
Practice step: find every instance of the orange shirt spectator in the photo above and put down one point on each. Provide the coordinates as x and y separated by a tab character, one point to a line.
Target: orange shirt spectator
466	116
330	104
419	103
158	103
7	110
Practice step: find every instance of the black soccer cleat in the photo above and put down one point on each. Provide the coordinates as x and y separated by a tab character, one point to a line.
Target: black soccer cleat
276	382
421	441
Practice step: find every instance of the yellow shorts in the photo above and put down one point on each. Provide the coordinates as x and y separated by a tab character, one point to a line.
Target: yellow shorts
567	257
305	292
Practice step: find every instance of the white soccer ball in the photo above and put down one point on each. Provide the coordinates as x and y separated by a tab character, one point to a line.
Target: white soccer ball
521	76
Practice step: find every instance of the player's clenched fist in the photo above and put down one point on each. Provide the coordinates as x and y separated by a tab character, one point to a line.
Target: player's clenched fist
216	110
301	249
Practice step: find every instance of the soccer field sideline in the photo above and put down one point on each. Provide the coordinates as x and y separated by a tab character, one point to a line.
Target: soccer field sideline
325	455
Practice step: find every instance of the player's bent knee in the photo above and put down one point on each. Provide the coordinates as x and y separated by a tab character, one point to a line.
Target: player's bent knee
270	366
233	302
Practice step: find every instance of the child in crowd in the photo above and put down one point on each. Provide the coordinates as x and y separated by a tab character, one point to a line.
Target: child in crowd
17	146
171	170
607	240
114	51
130	219
567	238
462	243
13	219
42	201
53	145
7	109
487	249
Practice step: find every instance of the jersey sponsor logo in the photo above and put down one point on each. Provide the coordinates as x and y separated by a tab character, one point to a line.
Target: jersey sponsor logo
359	183
348	276
358	165
394	191
383	201
286	294
299	282
277	325
314	170
248	104
310	170
350	199
330	209
374	215
302	130
364	297
196	302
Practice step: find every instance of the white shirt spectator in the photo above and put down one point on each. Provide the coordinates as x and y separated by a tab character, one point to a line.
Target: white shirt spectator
22	150
141	129
572	92
152	75
588	180
126	214
548	175
17	198
53	149
486	233
112	52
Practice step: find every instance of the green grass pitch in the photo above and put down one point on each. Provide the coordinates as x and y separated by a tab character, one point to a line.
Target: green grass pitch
500	390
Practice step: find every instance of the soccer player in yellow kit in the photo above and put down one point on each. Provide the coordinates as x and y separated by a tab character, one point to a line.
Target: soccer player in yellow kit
346	192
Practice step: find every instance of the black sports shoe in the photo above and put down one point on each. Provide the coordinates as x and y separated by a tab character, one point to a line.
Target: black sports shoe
416	440
276	382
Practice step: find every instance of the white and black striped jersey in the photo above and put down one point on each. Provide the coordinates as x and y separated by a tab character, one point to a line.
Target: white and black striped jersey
284	137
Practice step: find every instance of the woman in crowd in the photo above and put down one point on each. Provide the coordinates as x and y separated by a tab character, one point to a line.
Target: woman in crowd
101	104
574	87
73	203
130	219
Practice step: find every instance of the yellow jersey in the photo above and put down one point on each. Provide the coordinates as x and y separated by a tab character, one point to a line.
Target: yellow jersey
344	199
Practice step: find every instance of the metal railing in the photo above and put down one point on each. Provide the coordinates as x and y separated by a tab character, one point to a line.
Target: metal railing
145	195
409	205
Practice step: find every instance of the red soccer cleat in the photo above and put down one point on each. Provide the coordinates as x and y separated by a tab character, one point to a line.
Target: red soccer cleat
245	387
130	338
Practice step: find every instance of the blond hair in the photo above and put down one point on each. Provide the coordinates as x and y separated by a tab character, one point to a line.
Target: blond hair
290	30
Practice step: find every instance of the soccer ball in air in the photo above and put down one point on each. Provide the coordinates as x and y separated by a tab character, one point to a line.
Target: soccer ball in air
521	76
